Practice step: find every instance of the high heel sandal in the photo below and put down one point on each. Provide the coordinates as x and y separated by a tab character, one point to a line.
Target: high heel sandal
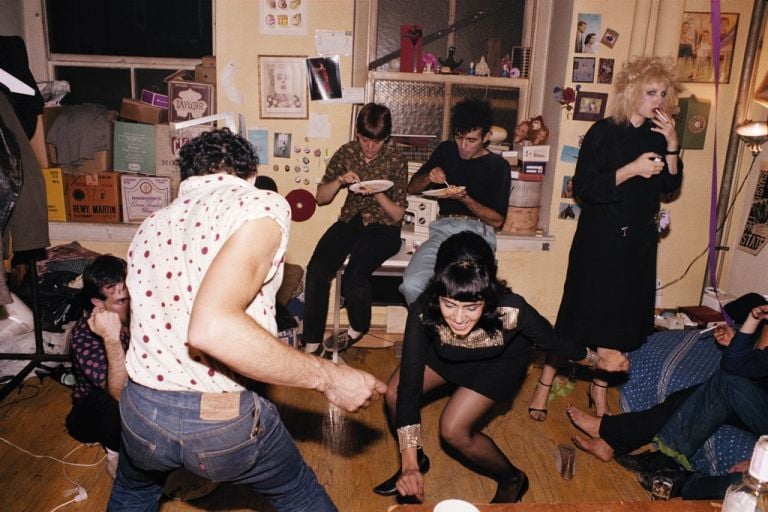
540	414
506	493
591	401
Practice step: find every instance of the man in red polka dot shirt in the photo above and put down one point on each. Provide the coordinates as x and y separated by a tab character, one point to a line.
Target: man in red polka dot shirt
203	274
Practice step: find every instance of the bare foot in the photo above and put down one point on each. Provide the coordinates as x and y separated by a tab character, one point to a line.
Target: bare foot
585	422
595	446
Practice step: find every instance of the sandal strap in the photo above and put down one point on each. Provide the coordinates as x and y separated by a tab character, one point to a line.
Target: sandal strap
545	385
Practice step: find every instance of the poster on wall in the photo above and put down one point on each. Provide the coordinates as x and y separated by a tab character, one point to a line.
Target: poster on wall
283	17
695	51
756	228
282	87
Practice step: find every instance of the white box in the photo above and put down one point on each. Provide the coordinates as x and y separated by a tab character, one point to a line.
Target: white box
143	195
535	154
710	299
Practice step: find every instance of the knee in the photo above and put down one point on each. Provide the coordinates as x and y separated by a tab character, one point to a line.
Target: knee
318	270
454	436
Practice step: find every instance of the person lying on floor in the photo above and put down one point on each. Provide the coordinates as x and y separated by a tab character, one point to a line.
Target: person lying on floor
679	426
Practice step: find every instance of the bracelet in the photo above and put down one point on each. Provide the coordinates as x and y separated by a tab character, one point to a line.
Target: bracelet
409	436
590	360
673	151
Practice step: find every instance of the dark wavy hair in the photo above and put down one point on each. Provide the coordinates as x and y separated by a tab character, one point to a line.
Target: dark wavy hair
471	114
374	121
103	272
465	270
216	151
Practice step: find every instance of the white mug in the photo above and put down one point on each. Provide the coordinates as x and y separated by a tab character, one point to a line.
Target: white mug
455	506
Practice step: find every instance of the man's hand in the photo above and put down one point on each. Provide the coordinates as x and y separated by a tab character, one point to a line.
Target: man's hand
612	360
352	389
106	324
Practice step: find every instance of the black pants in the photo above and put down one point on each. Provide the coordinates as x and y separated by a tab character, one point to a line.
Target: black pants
629	431
96	419
368	247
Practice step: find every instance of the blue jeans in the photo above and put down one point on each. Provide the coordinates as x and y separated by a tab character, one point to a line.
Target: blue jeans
721	396
421	268
163	431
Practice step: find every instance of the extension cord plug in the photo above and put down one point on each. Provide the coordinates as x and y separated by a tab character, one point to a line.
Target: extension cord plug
81	494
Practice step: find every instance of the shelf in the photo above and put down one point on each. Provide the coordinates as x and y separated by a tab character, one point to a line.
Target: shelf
92	231
444	78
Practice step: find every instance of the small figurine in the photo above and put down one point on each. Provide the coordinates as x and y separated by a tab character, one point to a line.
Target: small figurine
451	62
430	64
504	71
531	132
471	69
482	68
506	65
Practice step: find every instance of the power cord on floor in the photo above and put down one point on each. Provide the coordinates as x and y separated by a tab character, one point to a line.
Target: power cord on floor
79	491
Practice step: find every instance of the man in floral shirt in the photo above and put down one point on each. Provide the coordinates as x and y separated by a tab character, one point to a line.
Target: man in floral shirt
368	229
99	341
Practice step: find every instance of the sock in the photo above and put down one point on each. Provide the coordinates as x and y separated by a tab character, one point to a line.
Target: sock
353	333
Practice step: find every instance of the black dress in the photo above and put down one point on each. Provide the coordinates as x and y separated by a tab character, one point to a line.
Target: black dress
608	298
490	365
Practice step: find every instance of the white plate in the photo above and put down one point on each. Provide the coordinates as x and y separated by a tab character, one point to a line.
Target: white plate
371	186
443	192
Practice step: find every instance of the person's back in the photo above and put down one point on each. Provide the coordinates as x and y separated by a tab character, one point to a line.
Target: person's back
204	272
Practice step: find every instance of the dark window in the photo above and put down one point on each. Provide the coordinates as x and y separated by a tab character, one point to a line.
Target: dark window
141	28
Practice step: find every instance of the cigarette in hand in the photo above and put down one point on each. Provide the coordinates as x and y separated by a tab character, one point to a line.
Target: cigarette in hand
709	329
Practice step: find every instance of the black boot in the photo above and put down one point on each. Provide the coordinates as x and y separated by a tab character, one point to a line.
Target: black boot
389	486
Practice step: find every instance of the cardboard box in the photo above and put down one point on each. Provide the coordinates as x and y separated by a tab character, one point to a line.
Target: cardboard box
168	142
134	147
190	100
154	98
141	112
46	153
94	197
535	154
143	195
205	72
56	194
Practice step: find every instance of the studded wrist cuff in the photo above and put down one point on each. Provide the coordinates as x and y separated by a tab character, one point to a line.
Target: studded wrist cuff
409	436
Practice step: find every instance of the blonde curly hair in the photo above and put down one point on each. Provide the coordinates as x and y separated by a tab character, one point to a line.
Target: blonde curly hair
636	74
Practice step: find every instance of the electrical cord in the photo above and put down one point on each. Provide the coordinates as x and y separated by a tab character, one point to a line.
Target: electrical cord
719	228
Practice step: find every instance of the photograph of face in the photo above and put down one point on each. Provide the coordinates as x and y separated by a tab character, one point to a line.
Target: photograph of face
587	29
566	192
695	51
605	71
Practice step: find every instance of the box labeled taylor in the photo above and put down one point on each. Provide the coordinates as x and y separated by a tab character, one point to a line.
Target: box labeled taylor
56	194
94	197
190	100
143	195
134	147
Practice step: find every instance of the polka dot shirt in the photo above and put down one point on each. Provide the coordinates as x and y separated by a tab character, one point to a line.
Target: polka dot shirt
167	261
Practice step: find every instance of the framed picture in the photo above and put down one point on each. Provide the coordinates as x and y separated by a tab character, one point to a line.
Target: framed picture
583	69
587	30
324	78
590	106
695	51
605	71
282	87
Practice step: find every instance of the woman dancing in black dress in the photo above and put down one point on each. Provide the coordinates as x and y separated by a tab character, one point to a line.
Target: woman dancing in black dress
469	330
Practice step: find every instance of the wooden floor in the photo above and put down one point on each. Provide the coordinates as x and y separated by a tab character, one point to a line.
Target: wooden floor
349	452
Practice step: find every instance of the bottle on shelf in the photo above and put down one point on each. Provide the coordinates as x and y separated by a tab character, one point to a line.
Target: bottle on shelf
752	493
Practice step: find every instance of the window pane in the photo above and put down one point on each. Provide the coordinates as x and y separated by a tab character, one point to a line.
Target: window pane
106	86
143	28
506	24
152	80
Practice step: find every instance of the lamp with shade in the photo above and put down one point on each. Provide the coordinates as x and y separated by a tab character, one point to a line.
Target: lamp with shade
755	133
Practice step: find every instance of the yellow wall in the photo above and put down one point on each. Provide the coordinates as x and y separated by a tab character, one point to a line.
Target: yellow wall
645	26
238	41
